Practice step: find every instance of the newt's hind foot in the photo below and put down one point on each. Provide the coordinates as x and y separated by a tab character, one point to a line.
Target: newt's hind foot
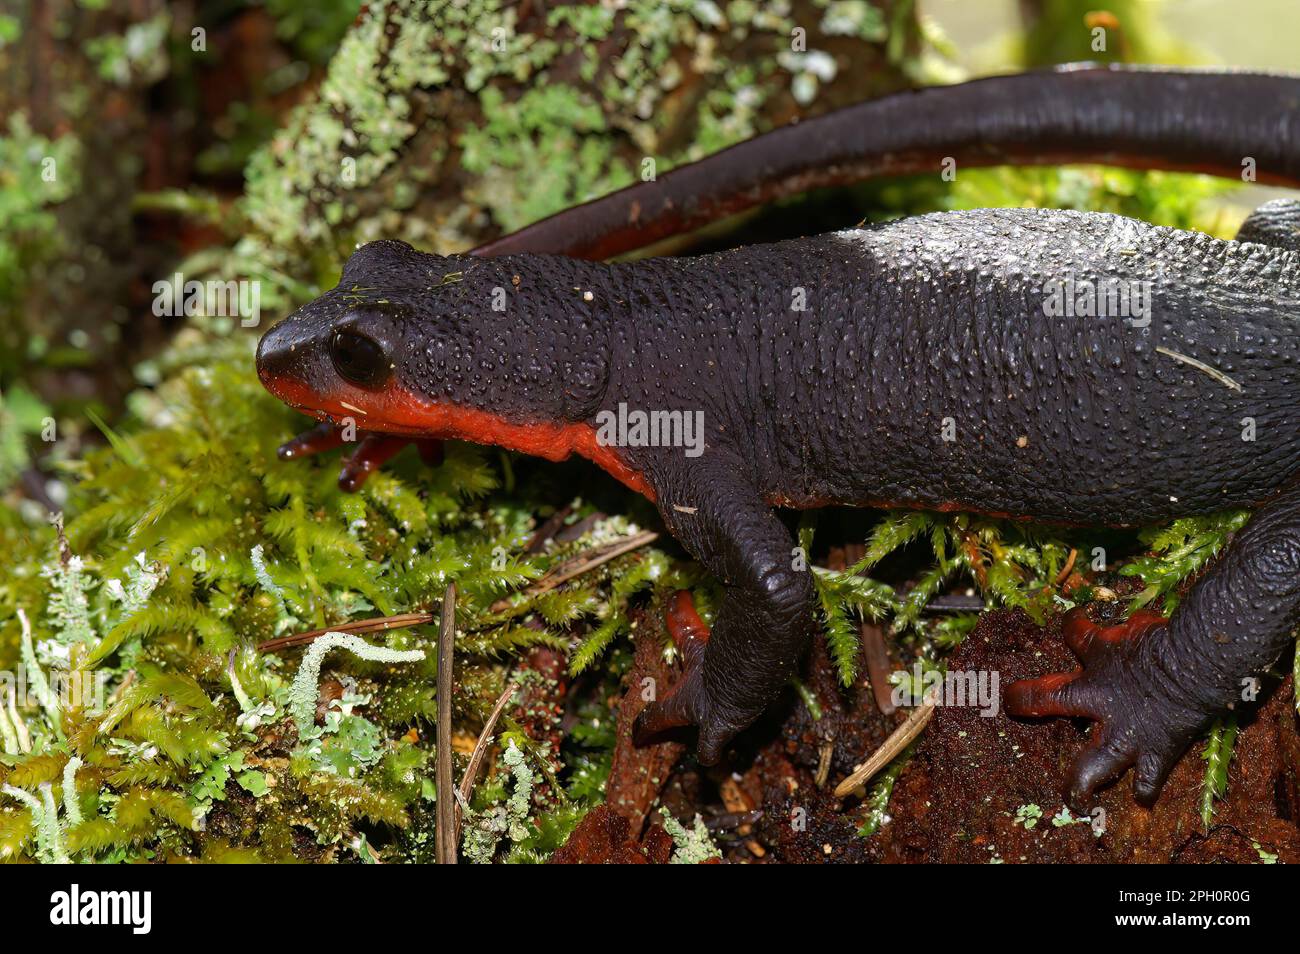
686	703
1138	724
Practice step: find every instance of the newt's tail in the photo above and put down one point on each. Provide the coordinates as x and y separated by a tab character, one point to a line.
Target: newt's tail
1219	122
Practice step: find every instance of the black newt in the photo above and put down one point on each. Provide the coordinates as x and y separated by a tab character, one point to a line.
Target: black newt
928	362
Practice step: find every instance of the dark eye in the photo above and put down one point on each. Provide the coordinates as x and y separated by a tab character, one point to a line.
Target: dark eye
359	359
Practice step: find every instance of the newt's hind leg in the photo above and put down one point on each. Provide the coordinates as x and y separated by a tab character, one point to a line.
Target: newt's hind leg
765	620
1154	686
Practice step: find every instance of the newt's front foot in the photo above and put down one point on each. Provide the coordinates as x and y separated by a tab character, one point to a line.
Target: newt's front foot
372	452
1138	723
686	703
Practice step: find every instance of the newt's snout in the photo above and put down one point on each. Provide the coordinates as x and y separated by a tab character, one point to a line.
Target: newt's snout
275	356
288	362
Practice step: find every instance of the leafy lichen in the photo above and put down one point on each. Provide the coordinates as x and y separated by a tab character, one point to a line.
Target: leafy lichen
485	828
692	846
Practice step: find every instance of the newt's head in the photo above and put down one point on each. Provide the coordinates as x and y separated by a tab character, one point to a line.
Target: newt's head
432	346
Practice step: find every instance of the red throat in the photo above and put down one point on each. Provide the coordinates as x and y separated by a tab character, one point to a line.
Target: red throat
543	439
397	411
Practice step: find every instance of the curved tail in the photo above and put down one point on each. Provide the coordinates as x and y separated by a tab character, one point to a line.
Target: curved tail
1209	121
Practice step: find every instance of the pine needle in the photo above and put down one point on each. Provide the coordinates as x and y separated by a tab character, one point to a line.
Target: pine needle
480	750
898	740
373	625
578	566
447	822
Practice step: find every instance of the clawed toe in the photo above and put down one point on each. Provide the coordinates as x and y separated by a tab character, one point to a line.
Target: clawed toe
686	703
1086	638
1109	758
1056	694
373	451
682	705
1153	767
321	438
676	710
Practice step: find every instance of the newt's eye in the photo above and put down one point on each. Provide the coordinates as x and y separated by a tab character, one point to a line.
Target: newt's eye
359	359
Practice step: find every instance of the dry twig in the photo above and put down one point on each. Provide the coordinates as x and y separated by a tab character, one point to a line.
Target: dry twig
898	740
445	836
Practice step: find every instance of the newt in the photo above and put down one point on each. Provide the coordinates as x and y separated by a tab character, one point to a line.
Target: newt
931	362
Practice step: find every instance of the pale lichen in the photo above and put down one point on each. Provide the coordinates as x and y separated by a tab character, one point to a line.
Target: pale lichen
302	694
68	608
693	846
485	829
71	807
36	678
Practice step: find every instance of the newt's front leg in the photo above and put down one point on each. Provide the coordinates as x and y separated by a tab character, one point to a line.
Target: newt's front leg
1154	685
765	621
372	452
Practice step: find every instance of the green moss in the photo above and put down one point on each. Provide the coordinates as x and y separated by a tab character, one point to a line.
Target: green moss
313	28
23	416
1217	756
